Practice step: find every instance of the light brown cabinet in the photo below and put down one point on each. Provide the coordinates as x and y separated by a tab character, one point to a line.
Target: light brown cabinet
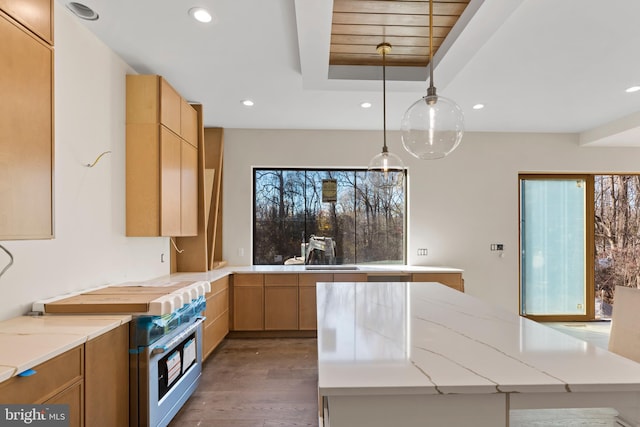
281	302
162	160
203	252
287	302
36	15
106	382
307	311
50	379
93	379
216	324
248	302
26	120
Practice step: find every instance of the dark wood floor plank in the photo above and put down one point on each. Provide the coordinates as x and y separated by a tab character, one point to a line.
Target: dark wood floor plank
256	383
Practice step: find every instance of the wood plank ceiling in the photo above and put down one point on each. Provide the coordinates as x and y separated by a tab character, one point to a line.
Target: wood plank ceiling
360	25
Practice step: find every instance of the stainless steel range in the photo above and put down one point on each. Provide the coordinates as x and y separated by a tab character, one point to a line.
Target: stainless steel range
165	363
165	341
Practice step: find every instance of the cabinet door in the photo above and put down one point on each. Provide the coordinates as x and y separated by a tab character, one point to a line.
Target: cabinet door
189	190
170	174
248	308
189	124
216	325
307	320
73	396
280	308
170	106
107	390
36	15
307	311
26	134
453	280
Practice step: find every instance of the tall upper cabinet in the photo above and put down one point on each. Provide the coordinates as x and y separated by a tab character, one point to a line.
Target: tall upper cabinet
162	159
26	119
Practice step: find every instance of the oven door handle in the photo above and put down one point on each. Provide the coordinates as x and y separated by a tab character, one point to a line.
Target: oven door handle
182	335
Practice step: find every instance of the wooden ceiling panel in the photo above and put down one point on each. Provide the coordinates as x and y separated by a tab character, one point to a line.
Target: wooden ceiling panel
360	25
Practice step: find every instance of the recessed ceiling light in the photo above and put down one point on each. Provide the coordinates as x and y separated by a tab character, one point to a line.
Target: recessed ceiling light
632	89
248	103
478	106
200	14
82	11
365	104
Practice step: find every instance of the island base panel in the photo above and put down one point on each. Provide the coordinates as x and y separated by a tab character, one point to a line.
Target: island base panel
486	410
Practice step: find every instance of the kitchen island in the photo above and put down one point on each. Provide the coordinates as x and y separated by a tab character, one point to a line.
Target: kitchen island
422	354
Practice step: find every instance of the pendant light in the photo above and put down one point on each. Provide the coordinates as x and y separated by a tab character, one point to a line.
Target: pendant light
386	169
433	126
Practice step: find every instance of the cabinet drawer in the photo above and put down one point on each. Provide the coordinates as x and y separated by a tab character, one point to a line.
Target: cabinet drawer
310	279
248	279
51	377
216	305
281	280
218	285
350	277
215	333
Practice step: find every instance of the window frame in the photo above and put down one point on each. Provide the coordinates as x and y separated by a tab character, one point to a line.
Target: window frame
405	231
589	245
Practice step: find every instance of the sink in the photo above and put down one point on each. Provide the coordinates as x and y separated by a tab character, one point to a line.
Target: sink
331	267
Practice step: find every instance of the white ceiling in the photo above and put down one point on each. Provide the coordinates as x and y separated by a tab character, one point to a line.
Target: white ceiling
537	65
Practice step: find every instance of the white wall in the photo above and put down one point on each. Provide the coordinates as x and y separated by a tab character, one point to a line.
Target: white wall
89	248
458	205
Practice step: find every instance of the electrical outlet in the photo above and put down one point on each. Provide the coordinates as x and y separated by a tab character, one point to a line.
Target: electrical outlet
423	251
497	247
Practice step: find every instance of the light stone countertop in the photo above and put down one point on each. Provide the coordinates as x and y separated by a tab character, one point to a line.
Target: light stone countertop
427	339
298	269
27	341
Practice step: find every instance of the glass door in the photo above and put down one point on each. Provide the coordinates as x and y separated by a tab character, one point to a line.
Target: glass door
555	269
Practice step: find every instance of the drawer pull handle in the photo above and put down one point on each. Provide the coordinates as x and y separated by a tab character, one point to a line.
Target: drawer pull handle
27	373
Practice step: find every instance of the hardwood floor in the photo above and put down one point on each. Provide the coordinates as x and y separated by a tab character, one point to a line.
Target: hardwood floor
256	383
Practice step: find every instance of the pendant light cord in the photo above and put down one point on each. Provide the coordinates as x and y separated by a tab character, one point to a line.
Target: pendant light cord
432	90
384	100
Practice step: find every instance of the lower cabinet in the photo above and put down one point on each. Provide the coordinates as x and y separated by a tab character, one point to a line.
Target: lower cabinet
248	302
307	312
106	378
287	301
93	379
281	302
216	324
74	397
51	379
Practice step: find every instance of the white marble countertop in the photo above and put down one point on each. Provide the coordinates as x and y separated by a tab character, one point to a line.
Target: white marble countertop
27	341
425	338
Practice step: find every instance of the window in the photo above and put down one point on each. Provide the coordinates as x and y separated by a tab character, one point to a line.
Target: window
289	207
617	237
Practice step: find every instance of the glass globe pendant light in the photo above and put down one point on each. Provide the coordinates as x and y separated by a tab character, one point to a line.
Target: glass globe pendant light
386	169
433	126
